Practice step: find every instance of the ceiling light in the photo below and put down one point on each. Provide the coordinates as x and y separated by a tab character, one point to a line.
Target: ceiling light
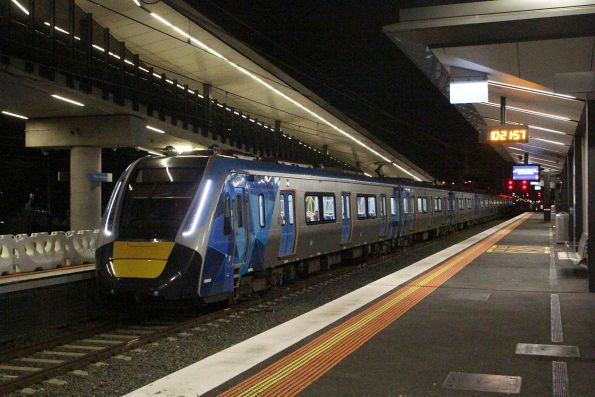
150	127
68	100
548	130
550	141
540	159
18	116
548	115
16	3
162	20
532	90
542	148
136	2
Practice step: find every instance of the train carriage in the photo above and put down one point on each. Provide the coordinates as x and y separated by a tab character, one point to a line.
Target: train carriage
212	226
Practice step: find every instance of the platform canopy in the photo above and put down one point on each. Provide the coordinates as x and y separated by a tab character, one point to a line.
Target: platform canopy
175	39
539	55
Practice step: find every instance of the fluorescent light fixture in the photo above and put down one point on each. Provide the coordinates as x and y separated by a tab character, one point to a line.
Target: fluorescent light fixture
98	47
540	159
532	90
71	101
161	19
548	115
468	91
550	141
547	130
183	148
16	3
136	2
259	80
150	127
18	116
368	175
541	148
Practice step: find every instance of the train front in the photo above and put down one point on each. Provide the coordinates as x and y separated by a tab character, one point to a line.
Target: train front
144	247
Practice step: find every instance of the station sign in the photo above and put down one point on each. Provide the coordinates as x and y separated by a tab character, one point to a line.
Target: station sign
507	134
100	176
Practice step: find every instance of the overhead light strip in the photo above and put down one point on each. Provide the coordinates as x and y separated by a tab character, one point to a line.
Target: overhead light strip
22	7
548	130
546	160
150	127
532	90
533	112
273	89
68	100
18	116
550	141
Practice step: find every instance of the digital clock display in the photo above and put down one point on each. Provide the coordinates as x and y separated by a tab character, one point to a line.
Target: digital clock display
508	135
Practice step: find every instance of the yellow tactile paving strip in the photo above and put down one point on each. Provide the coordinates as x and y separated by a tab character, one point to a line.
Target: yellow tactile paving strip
293	373
519	249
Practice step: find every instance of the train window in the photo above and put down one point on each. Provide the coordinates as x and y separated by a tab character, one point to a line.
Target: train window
261	213
282	219
328	208
290	208
437	204
393	206
345	206
405	205
361	207
419	204
469	203
371	206
425	204
227	216
461	204
240	210
312	209
320	208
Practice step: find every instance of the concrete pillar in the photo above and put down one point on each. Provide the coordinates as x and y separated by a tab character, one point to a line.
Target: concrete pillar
85	196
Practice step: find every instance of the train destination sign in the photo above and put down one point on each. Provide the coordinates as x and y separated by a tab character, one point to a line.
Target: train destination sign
508	134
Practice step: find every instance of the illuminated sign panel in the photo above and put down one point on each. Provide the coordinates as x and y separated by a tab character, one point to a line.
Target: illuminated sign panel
508	134
525	172
468	91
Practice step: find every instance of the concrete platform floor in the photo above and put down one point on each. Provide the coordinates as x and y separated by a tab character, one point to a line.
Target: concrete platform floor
472	324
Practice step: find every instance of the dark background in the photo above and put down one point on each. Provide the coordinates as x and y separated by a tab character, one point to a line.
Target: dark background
335	48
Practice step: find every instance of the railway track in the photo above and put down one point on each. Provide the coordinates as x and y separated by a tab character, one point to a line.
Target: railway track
26	366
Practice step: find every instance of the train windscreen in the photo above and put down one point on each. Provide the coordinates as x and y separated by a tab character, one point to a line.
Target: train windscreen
156	201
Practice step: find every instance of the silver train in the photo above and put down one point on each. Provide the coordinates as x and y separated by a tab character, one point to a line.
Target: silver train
215	227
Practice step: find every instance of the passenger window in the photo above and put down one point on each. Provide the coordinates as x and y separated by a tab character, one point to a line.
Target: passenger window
261	213
420	205
393	206
290	208
227	216
312	209
361	207
425	204
371	206
405	205
282	219
240	210
382	205
328	207
320	207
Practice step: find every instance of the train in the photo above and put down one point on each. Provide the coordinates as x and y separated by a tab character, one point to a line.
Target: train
213	226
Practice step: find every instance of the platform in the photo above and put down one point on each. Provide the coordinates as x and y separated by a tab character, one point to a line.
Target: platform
497	313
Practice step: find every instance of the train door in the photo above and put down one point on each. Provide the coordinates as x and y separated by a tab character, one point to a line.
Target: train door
383	216
288	227
346	218
240	224
394	215
407	212
450	210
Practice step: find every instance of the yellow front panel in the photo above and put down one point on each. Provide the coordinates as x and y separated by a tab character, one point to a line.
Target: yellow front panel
138	268
140	259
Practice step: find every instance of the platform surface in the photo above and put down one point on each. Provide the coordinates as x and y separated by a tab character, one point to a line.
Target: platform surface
496	314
